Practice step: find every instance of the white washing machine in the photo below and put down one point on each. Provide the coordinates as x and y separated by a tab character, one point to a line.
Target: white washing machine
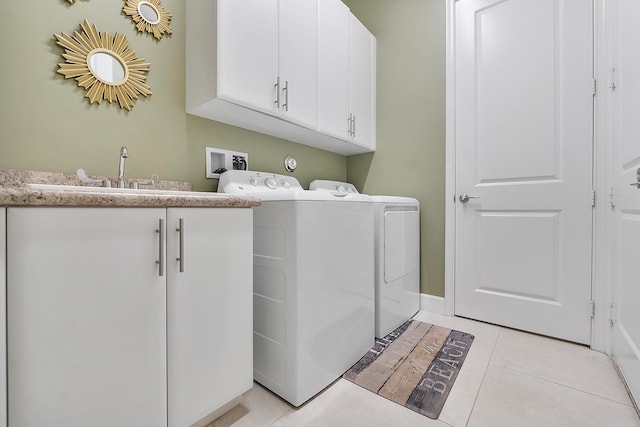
313	270
397	255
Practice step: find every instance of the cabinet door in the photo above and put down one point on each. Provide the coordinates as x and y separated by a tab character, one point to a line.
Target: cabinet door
362	83
3	317
209	309
248	53
333	68
86	318
298	61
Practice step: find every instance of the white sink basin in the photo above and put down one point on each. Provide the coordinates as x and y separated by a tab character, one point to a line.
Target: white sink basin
132	191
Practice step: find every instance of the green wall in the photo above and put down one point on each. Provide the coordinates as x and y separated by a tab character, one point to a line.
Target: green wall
410	155
46	123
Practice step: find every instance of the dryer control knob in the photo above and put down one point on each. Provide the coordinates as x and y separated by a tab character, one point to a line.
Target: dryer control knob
341	189
285	184
271	183
253	182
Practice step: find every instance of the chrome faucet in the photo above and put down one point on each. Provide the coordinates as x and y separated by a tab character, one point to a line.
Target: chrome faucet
124	153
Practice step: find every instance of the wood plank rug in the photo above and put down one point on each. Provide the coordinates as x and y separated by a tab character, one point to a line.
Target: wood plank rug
415	366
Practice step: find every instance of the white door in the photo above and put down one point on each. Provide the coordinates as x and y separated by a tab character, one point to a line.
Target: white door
3	318
362	83
298	61
524	112
209	310
248	53
624	19
86	318
333	68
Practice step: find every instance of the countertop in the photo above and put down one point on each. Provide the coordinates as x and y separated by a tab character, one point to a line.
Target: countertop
13	192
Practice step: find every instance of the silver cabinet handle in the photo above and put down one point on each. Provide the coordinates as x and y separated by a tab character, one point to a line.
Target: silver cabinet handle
160	232
277	86
353	121
464	197
285	89
180	229
637	183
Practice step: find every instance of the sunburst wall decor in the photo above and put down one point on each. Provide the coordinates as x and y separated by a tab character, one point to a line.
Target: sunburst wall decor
104	66
149	16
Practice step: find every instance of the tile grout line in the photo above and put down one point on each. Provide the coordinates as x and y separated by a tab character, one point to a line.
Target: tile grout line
630	405
634	403
287	412
475	401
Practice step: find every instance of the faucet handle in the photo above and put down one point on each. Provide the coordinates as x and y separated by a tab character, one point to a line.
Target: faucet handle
135	184
154	181
82	176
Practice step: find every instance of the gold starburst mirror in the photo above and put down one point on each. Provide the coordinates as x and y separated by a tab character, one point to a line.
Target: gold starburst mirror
104	66
149	16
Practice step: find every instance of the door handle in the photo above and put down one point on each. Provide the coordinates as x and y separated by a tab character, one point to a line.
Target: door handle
277	86
160	262
180	230
464	197
353	126
637	183
285	90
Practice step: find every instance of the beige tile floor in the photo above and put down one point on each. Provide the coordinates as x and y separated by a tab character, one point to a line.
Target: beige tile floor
509	379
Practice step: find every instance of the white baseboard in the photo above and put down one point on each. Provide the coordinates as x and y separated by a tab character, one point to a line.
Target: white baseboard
432	304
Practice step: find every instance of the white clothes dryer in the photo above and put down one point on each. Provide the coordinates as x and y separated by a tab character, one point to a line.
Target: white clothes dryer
397	255
313	310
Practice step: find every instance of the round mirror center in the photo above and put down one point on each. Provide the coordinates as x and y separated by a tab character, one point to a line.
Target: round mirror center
107	68
148	12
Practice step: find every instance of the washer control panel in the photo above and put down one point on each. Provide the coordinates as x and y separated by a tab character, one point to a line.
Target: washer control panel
240	181
333	187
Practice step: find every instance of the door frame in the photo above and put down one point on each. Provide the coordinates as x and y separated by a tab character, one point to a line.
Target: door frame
601	291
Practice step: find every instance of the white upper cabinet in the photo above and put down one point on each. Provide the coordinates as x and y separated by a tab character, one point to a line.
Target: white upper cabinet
248	48
362	84
268	66
333	68
298	61
267	56
346	78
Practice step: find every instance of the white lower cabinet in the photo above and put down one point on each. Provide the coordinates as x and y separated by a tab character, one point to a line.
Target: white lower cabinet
86	318
98	335
209	310
3	318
